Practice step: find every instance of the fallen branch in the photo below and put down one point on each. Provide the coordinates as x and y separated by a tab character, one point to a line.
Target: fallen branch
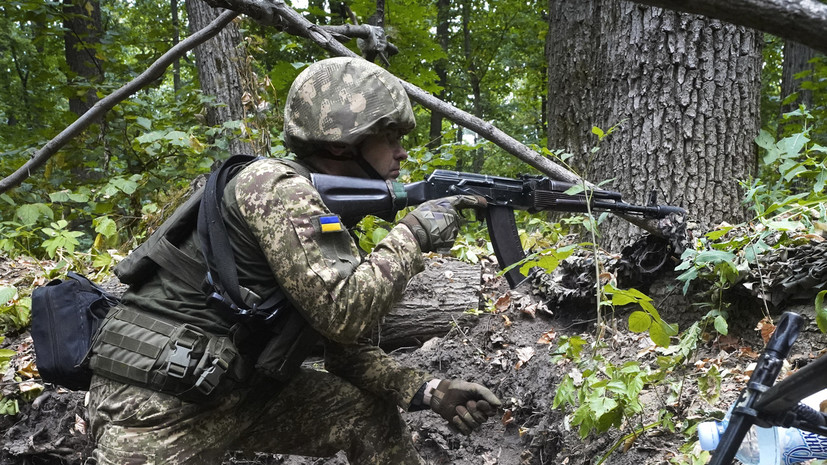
152	73
804	21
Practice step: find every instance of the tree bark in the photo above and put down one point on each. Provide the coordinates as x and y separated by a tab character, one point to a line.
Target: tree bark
804	21
219	62
684	91
176	37
82	23
436	300
440	68
796	60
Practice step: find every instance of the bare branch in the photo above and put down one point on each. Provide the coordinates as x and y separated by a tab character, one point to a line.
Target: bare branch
152	73
804	21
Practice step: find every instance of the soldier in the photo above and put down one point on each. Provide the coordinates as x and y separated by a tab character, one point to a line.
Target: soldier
343	116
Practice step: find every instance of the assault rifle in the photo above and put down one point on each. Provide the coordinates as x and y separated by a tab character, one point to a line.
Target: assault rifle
354	198
763	404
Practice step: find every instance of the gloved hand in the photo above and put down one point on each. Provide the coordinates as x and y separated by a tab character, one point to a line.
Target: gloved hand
435	223
465	405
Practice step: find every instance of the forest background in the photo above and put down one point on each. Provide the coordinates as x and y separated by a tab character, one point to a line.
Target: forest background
725	121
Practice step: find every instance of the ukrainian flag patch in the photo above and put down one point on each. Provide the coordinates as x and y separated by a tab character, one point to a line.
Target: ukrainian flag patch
331	223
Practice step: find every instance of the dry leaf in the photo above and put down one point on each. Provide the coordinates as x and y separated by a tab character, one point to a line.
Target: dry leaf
767	328
547	337
524	354
502	303
29	371
80	425
530	310
506	321
507	418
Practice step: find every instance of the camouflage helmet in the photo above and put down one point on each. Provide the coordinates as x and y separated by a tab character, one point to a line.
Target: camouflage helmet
343	100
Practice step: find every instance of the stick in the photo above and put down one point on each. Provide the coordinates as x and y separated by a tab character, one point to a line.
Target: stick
152	73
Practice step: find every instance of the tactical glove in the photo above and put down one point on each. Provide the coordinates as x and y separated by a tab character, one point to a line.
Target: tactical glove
464	405
435	223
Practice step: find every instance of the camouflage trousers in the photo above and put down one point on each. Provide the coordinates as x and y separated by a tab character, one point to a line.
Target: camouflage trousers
315	414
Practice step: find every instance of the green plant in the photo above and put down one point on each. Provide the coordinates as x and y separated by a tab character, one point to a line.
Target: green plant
14	311
641	321
601	393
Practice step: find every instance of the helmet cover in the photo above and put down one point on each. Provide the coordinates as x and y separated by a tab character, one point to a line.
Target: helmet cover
343	100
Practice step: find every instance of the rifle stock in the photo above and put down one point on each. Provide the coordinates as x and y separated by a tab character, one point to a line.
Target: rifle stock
355	198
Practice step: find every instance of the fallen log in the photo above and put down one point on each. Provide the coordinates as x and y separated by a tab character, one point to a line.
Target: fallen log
435	301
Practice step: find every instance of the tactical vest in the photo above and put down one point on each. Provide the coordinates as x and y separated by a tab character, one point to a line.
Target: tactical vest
164	354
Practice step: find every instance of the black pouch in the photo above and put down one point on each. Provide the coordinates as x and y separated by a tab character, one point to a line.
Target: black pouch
66	314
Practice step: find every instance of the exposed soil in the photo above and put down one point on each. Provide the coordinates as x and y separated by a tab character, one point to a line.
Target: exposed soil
504	351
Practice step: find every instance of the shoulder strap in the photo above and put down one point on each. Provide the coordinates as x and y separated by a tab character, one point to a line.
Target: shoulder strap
222	274
213	233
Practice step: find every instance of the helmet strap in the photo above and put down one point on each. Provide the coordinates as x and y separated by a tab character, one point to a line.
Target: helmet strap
366	166
354	155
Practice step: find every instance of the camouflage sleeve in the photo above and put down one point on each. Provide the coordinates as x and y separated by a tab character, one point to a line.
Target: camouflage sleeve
370	368
315	259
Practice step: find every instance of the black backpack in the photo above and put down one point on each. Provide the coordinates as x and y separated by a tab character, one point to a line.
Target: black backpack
66	314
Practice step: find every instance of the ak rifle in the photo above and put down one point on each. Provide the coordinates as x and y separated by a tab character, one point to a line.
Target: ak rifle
354	198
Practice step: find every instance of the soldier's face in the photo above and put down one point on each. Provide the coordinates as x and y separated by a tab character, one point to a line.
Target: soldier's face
385	153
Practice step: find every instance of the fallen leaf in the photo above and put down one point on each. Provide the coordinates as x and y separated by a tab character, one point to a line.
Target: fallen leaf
502	303
524	354
766	327
506	321
547	337
507	418
80	425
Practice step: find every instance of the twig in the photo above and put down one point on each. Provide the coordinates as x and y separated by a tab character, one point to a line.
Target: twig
152	73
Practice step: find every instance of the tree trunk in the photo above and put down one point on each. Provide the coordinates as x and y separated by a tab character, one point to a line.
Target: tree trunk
82	23
440	67
219	62
684	91
473	78
796	60
435	301
176	66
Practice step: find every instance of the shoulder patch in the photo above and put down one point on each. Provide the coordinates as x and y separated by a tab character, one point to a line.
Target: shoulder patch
330	223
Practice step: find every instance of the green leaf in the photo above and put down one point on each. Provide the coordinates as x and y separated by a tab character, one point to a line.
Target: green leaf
145	122
178	138
151	137
105	226
575	189
378	235
718	233
598	132
639	321
785	225
6	294
765	140
792	145
821	312
714	256
721	325
659	336
30	213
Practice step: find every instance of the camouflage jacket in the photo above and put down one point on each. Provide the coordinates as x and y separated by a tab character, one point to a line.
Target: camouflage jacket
283	235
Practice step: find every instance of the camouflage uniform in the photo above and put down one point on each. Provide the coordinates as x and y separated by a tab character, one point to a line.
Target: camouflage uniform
273	220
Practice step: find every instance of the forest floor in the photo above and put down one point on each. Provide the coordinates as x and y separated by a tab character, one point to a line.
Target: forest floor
509	351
